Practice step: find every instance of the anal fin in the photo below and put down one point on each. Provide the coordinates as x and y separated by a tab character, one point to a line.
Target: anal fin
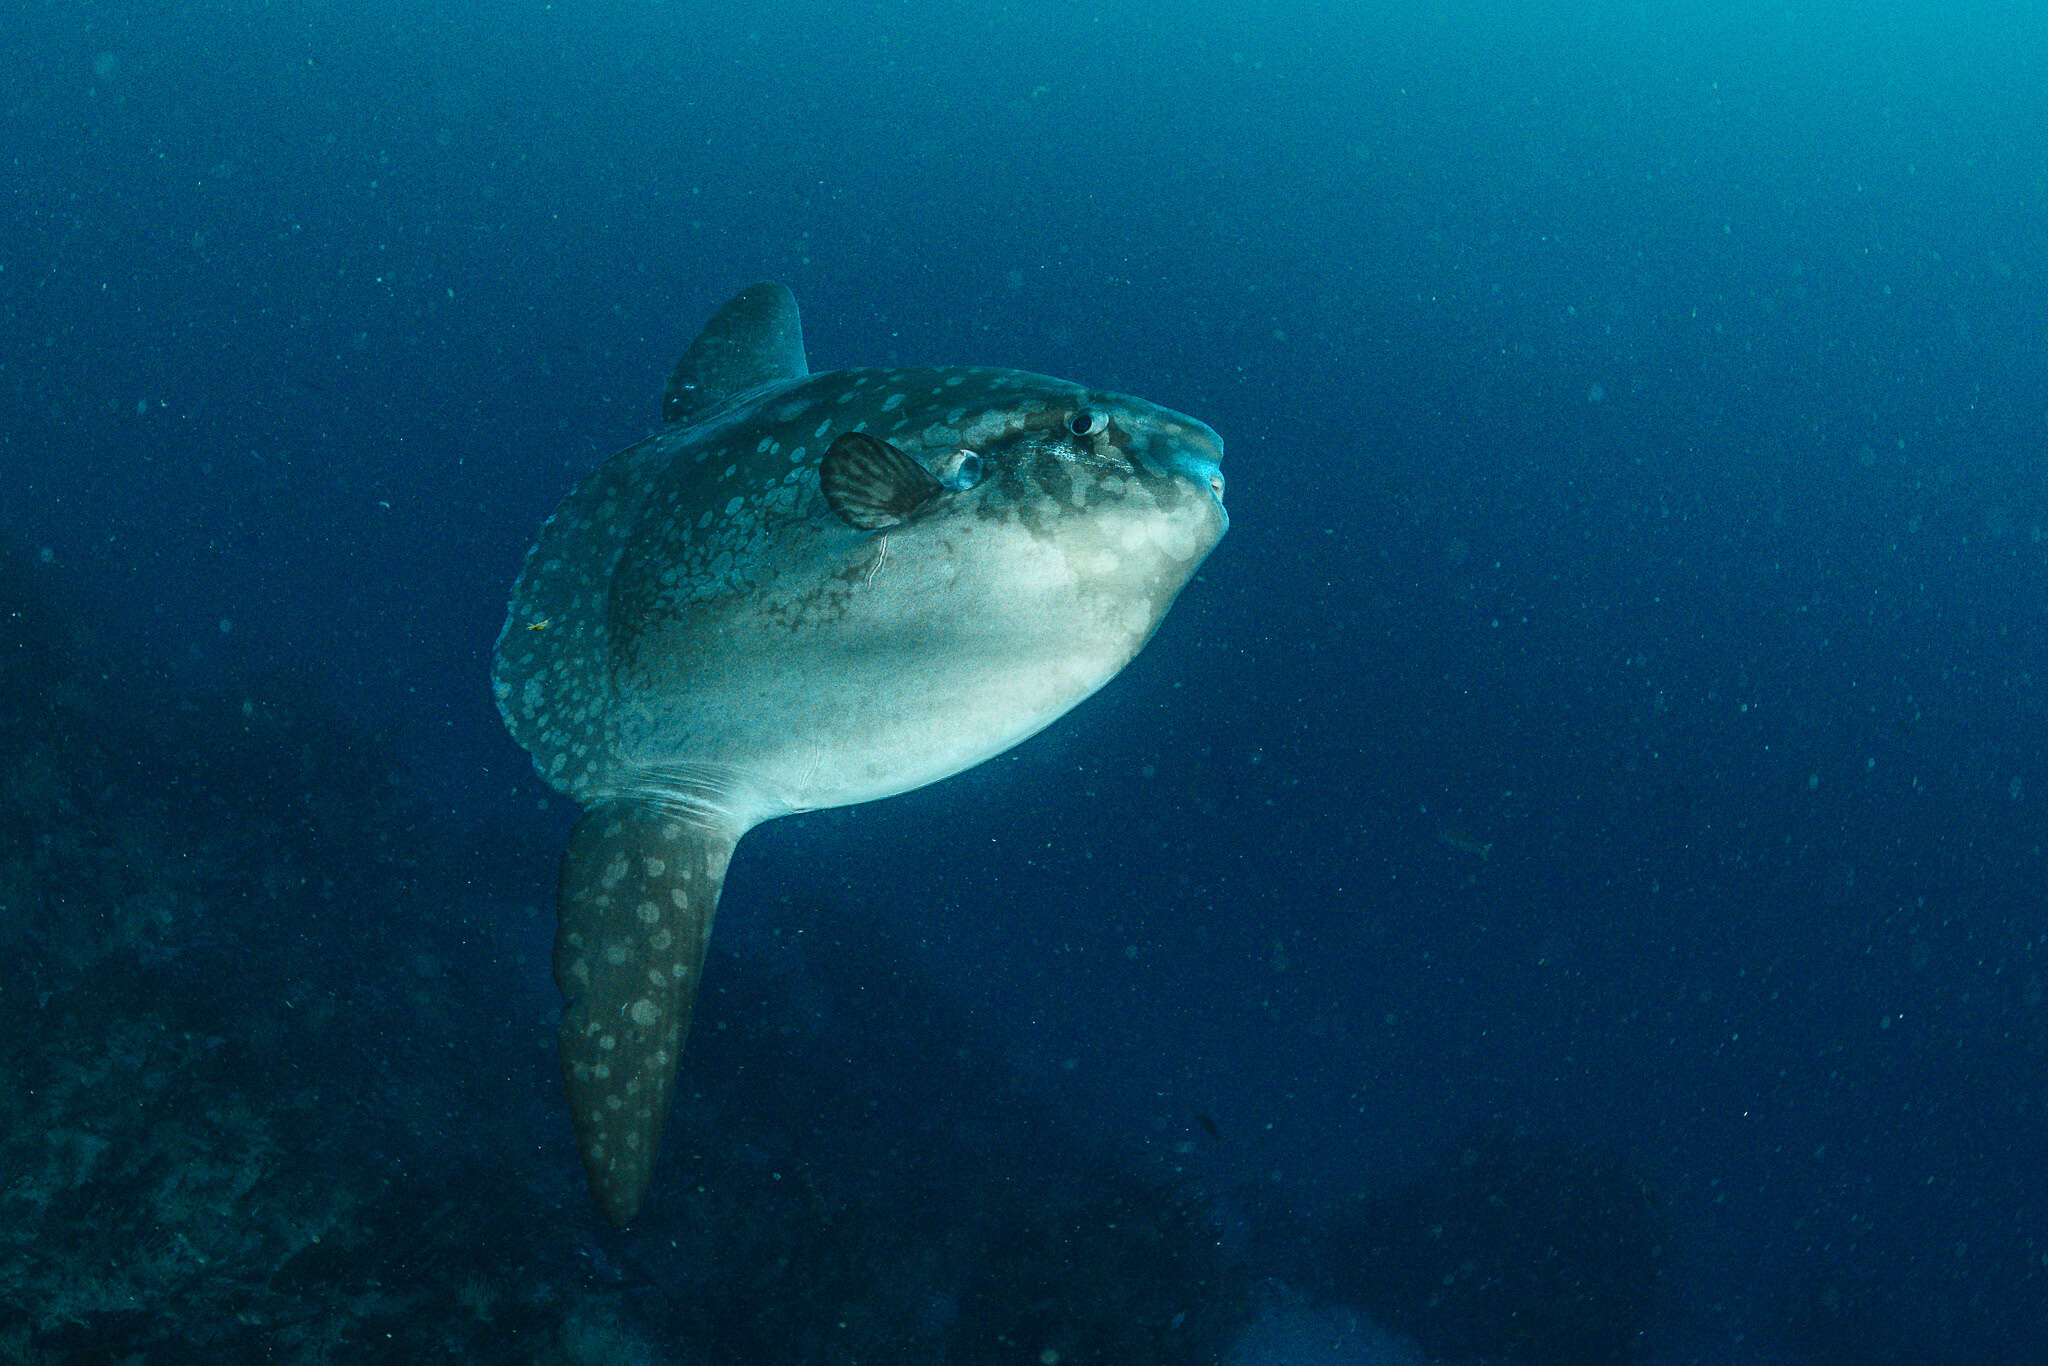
639	889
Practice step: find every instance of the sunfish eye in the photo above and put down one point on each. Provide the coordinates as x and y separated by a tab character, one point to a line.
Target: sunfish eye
1086	422
961	471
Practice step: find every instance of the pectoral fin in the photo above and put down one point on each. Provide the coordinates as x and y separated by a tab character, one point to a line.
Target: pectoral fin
639	888
872	485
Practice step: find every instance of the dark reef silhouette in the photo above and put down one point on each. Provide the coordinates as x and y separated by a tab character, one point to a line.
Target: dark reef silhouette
1507	1250
275	1085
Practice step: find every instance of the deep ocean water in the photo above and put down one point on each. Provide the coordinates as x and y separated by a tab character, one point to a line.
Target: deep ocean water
1565	885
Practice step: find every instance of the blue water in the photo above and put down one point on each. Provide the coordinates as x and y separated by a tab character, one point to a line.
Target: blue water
1613	724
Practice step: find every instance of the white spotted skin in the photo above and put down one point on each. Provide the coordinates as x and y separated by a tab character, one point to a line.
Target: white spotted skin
747	653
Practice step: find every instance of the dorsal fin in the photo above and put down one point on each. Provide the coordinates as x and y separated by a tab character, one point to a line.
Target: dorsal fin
755	339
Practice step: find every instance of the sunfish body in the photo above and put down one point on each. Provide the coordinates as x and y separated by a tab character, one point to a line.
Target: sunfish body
807	591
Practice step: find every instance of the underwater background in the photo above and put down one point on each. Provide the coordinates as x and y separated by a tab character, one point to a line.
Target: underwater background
1565	885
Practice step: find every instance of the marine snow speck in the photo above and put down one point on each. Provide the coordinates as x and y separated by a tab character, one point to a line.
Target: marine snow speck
808	591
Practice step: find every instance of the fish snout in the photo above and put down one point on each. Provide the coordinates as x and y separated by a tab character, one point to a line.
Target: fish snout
1205	472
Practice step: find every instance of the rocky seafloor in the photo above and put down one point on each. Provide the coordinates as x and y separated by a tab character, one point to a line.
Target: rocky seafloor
277	1085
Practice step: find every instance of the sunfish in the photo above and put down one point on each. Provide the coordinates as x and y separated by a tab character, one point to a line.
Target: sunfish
807	591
